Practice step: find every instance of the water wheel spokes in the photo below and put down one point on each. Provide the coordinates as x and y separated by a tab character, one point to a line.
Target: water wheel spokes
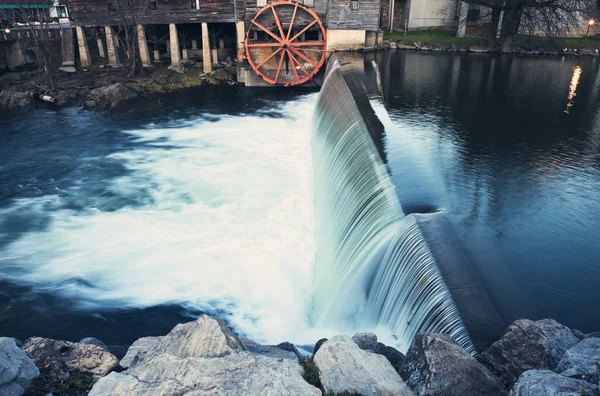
289	32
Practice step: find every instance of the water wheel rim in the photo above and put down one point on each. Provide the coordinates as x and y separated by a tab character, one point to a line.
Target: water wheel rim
286	45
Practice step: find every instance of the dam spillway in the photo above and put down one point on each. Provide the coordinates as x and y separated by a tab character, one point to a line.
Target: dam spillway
374	267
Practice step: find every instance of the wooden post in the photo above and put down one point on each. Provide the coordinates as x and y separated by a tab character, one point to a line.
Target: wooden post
168	43
194	44
221	44
206	63
156	56
100	44
239	27
175	53
215	56
184	54
84	52
111	47
143	44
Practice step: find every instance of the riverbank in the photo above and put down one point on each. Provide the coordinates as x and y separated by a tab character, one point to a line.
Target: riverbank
444	40
104	87
204	357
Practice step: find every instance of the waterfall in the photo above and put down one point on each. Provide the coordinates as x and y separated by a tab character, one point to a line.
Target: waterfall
373	266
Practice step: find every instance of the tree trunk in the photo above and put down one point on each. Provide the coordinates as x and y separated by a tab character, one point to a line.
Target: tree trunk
496	12
510	26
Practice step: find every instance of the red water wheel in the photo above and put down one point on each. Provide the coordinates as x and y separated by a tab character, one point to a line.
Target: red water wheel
285	43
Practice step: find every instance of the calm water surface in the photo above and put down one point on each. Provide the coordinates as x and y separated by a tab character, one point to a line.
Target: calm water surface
509	148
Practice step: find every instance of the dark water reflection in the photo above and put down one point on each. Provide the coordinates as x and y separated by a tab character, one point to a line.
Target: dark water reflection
510	148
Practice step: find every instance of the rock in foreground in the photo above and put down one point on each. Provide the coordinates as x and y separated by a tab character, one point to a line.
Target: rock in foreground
436	365
200	358
344	367
547	383
581	360
16	369
528	345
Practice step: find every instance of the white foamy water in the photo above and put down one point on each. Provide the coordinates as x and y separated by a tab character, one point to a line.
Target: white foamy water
230	226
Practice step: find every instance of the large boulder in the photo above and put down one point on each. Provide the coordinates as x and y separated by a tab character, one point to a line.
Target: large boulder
205	337
365	341
240	373
16	369
528	345
61	362
204	358
581	361
436	365
111	96
548	383
344	367
12	100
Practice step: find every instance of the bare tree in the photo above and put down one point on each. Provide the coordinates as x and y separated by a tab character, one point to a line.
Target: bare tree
34	24
129	14
552	18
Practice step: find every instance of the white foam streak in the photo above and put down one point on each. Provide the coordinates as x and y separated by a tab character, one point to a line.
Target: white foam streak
230	225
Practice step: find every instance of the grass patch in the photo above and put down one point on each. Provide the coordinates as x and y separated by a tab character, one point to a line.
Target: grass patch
447	37
311	373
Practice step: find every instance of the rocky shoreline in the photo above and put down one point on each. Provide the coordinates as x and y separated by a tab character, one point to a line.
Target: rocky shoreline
104	88
204	357
529	50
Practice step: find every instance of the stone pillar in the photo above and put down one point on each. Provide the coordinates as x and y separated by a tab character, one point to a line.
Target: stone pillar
239	27
221	44
84	52
143	44
184	54
206	63
168	43
111	47
156	56
100	45
194	44
462	19
175	53
215	56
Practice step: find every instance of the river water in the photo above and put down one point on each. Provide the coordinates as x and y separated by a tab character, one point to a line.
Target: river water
120	225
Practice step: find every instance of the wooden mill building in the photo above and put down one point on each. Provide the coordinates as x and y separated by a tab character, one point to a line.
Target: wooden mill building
213	30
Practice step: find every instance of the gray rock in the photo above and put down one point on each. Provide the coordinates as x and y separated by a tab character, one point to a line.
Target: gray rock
547	383
288	346
405	47
67	69
365	341
112	95
138	350
528	345
94	341
595	334
581	361
240	373
394	356
16	369
57	360
204	358
344	367
13	100
478	49
578	334
436	365
205	337
267	350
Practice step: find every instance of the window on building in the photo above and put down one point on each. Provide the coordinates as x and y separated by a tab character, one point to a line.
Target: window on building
152	5
309	3
194	5
354	4
61	12
261	3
